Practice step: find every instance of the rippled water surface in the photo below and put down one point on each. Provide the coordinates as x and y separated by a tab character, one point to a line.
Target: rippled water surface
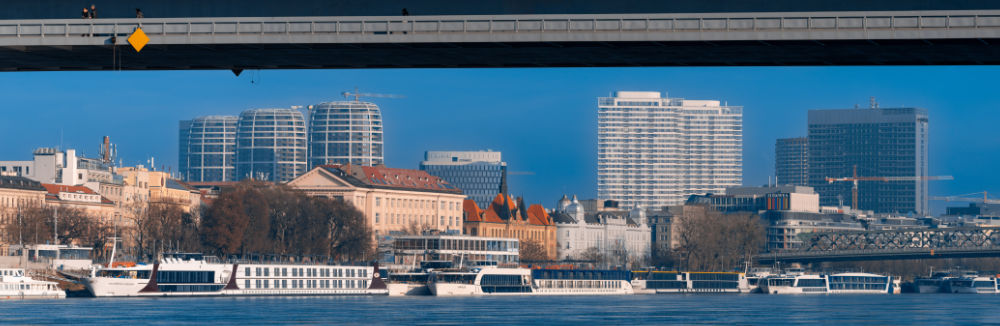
756	309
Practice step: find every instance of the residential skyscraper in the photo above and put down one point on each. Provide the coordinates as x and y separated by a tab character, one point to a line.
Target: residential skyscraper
481	175
345	132
880	143
207	149
791	161
655	151
270	145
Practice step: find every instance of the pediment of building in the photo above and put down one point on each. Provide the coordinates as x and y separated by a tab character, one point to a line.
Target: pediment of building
319	178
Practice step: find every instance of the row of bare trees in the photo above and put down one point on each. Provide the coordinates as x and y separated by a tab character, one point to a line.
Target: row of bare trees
41	224
256	218
709	240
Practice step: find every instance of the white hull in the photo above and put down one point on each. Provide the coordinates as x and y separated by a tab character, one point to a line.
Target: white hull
457	290
404	289
928	289
194	277
793	290
15	285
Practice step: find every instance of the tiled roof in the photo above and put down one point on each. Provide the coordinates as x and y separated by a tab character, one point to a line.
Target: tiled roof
54	190
177	185
391	178
13	182
537	215
472	211
505	208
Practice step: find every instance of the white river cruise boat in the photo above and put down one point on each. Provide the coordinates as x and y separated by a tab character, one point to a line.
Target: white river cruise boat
655	282
188	274
523	281
971	284
821	284
15	285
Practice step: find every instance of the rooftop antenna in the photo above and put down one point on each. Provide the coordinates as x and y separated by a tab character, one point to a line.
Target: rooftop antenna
872	102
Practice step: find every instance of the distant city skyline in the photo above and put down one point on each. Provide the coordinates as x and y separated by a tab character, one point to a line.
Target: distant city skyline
542	119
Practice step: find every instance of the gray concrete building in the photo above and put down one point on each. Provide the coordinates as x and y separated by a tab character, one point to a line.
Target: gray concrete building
207	149
791	161
890	142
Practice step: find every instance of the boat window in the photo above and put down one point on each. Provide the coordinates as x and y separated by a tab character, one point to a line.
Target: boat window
266	285
811	283
247	271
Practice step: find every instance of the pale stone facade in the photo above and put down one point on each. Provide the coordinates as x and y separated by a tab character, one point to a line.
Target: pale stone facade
620	236
391	200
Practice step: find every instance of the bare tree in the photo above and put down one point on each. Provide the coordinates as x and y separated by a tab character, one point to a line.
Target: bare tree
712	241
532	251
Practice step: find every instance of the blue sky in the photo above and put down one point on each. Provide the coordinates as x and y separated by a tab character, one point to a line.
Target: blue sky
543	120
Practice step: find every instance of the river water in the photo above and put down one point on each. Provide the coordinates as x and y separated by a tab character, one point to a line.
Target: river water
755	309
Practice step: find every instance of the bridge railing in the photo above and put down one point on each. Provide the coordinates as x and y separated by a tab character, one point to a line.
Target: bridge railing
865	252
404	25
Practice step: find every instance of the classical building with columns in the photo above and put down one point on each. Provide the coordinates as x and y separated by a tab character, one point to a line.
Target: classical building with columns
392	200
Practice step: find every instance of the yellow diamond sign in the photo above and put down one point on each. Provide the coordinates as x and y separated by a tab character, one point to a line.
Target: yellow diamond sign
138	39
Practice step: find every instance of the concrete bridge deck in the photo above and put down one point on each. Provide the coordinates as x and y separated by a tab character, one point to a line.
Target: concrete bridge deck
705	39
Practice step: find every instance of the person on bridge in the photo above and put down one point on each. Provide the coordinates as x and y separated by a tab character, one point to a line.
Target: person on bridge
86	15
138	13
93	11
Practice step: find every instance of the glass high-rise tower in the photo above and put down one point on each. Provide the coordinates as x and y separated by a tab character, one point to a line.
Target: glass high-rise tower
270	145
345	132
791	161
481	175
881	143
207	149
655	151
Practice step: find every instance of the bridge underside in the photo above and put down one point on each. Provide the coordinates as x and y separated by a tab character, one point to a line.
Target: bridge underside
493	54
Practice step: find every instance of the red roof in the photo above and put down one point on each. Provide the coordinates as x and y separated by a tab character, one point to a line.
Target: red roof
537	215
472	211
501	209
54	190
381	176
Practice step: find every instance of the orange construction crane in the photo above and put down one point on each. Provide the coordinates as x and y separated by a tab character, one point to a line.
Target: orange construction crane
856	178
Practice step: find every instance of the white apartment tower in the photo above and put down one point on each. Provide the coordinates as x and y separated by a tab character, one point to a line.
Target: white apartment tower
654	151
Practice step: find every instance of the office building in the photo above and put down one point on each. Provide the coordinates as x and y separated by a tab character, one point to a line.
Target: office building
880	143
655	151
791	161
270	145
348	132
207	149
479	174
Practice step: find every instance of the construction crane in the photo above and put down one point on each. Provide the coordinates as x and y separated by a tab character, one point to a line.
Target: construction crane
358	95
855	178
967	198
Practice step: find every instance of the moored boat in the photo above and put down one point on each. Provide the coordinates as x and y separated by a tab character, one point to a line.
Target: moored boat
842	283
187	274
15	284
651	282
523	281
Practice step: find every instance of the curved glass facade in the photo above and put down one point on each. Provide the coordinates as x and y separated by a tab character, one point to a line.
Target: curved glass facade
271	144
345	132
208	149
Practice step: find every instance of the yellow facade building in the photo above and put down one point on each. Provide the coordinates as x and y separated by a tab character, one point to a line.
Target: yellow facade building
392	200
509	219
